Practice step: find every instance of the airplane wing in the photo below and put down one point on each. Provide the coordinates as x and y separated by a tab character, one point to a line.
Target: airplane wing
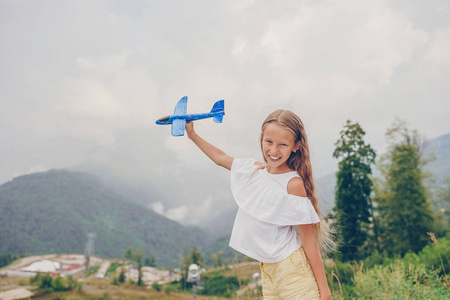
178	126
181	107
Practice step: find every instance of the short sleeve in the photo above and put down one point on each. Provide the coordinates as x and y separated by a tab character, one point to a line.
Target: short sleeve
261	198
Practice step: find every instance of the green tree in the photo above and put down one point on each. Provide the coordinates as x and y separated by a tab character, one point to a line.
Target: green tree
405	212
196	257
150	261
441	206
121	278
353	208
128	254
137	256
6	259
218	259
192	257
184	266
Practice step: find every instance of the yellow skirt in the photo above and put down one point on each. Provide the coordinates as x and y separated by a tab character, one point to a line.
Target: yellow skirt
289	279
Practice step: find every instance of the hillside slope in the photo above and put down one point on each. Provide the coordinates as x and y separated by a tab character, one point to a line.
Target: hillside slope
440	149
52	212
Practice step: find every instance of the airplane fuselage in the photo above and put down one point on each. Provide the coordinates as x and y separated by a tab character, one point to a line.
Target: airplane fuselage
191	117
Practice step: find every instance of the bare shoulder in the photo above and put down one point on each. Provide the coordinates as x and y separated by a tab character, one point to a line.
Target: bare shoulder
296	187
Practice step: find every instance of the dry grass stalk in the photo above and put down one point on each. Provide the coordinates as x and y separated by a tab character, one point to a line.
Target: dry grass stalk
337	278
435	241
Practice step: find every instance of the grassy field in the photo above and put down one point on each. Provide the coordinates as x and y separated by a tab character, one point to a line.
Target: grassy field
94	289
98	289
414	276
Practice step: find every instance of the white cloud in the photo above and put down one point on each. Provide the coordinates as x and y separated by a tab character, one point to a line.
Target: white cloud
88	99
106	64
283	42
244	4
181	214
184	150
437	58
241	50
91	87
382	43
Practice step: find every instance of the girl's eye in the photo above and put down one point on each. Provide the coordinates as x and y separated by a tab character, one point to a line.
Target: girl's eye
269	142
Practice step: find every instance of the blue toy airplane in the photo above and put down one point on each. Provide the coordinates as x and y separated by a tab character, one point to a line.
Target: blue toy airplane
179	117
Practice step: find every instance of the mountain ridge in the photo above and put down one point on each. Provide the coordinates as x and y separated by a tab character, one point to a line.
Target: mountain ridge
51	212
80	202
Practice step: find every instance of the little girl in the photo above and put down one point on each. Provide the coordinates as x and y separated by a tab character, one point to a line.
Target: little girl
274	197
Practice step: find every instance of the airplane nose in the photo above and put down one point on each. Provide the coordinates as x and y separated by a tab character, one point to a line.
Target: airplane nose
164	119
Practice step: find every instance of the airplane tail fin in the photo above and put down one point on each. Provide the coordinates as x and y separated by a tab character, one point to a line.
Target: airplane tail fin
218	111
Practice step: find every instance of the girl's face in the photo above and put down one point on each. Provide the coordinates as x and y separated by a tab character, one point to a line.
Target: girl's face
277	145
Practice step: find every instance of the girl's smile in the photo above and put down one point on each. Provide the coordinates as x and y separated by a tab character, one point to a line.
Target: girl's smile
277	146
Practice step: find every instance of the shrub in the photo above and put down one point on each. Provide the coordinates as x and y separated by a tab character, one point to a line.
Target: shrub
220	285
36	279
415	276
340	278
121	278
58	285
375	258
113	267
436	255
48	284
156	286
397	282
93	270
45	282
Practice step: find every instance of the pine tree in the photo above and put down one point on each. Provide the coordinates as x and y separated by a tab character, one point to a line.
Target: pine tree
405	212
353	189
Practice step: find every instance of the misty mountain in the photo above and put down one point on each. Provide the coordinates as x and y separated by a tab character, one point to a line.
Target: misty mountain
52	212
440	149
325	192
222	223
142	193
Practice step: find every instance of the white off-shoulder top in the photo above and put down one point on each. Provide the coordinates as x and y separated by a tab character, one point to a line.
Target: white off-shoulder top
264	225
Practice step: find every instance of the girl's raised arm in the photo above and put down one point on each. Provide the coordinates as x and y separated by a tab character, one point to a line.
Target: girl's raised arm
214	153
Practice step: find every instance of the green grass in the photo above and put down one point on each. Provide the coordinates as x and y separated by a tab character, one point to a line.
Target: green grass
415	276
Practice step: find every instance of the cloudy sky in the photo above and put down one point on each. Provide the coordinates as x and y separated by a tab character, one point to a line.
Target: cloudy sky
82	83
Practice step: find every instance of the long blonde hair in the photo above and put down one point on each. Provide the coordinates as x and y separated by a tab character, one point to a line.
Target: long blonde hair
300	162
